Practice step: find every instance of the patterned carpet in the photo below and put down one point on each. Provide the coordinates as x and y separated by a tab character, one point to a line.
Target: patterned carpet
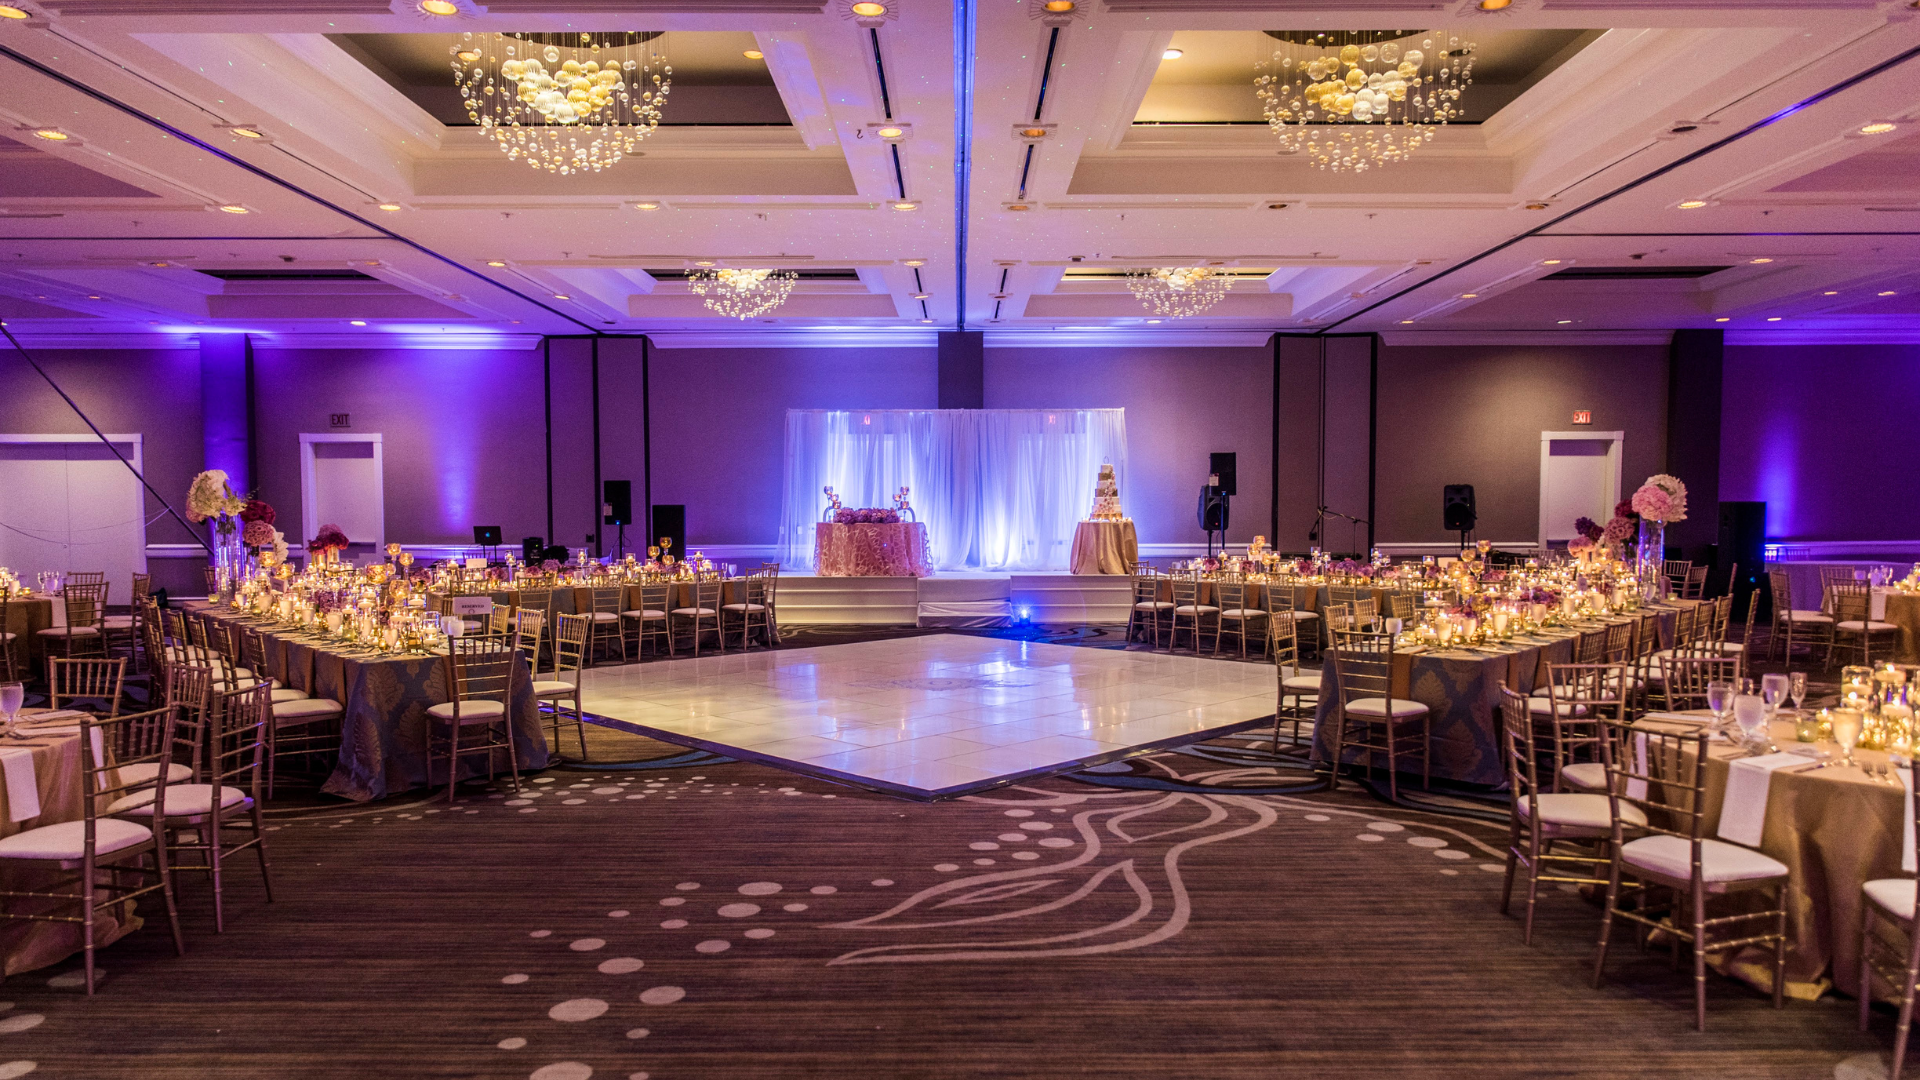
1209	912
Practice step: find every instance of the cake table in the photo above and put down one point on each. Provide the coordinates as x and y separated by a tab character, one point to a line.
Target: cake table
897	549
1105	547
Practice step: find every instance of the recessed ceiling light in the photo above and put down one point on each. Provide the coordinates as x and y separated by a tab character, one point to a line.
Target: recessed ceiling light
1723	318
161	262
869	10
1276	206
1693	204
1550	262
439	7
389	207
1762	260
1564	322
704	262
561	296
247	132
923	296
646	206
1536	206
1831	292
1153	322
754	54
1406	322
495	262
93	298
1018	207
1059	7
890	132
1494	5
916	262
1173	54
51	134
8	11
926	320
1033	133
234	208
356	322
906	205
1878	127
1889	292
1469	296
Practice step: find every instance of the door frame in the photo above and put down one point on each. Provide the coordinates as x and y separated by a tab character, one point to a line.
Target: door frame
1614	456
136	457
309	497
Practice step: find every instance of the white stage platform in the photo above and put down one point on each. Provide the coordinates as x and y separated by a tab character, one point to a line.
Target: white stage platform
1047	599
934	716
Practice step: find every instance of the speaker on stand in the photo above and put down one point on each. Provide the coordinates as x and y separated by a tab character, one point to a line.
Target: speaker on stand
617	498
1457	510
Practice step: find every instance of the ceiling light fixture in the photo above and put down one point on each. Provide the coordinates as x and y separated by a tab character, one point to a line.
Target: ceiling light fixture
439	7
1693	204
1179	291
1773	318
1831	292
916	262
742	294
704	262
495	263
754	54
1469	296
1173	54
1564	322
926	320
356	322
646	206
906	205
1033	132
8	11
1889	292
890	132
1019	207
1550	262
51	134
1536	206
869	10
567	102
1359	99
1723	318
1878	127
1495	5
1762	260
247	132
1406	322
561	296
390	207
234	208
923	296
1059	7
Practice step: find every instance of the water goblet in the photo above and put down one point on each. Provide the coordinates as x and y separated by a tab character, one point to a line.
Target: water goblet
1846	732
1720	701
1773	690
11	695
1750	712
1797	689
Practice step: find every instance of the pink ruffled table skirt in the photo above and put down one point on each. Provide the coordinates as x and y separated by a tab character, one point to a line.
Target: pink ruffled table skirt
898	550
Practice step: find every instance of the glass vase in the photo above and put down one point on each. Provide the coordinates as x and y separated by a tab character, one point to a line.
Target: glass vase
229	557
1650	558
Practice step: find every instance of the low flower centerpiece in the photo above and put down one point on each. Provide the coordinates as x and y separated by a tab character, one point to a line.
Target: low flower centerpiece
326	546
1662	499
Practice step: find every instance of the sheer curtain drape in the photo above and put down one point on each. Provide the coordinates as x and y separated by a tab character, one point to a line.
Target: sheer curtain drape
998	489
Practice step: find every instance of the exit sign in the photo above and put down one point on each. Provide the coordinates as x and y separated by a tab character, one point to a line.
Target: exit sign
339	419
1580	416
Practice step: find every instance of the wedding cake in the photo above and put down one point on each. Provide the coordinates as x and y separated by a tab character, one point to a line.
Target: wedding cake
1106	497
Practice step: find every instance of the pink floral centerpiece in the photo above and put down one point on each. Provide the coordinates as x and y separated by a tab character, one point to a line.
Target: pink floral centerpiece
866	517
328	544
1663	498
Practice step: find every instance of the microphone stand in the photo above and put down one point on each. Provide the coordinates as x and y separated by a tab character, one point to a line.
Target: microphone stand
1354	537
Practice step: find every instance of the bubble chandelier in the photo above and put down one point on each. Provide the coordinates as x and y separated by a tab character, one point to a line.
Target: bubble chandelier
742	294
1179	291
1351	100
567	103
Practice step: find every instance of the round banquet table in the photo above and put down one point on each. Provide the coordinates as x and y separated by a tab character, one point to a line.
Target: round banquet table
27	616
1903	611
871	550
1105	547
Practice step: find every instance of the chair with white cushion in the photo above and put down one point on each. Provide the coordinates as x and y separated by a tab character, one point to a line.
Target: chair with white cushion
100	861
648	618
1670	872
302	726
569	655
190	695
477	717
13	647
772	572
1789	623
196	817
1890	900
702	613
253	652
748	609
70	681
1536	821
1149	612
1578	697
1371	718
1299	688
1237	614
1853	624
84	634
1188	591
127	627
1284	595
1684	680
603	614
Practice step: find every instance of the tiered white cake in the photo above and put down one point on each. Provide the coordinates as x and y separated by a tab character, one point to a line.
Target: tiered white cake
1106	497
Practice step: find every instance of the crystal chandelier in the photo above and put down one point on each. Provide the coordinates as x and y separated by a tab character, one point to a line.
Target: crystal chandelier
1179	291
1356	99
566	103
742	294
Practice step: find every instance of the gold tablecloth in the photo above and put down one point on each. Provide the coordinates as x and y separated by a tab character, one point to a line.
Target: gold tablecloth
27	617
1105	547
1903	611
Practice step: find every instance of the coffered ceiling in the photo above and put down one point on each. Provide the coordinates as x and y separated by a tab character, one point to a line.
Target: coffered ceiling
1699	164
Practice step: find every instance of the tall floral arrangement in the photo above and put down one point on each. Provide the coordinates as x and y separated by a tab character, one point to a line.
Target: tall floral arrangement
211	496
329	539
1662	498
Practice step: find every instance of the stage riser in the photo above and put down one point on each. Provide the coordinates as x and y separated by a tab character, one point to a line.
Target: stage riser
1049	599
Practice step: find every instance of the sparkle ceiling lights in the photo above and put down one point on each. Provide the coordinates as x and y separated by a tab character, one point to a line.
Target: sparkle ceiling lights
567	103
1179	291
1357	99
742	294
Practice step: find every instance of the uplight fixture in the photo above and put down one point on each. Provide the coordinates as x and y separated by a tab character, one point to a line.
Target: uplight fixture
439	7
51	134
1173	54
234	208
1878	127
754	54
8	11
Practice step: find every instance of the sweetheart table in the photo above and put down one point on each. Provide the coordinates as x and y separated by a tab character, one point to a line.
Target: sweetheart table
871	549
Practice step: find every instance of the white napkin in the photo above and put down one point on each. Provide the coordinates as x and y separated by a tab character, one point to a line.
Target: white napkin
1743	810
23	795
1877	605
1907	862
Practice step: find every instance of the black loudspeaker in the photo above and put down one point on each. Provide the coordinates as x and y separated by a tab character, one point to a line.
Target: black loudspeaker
1743	545
531	547
1213	509
617	495
671	521
486	535
1222	465
557	553
1457	507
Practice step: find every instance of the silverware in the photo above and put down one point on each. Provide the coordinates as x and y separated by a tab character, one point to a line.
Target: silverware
1884	771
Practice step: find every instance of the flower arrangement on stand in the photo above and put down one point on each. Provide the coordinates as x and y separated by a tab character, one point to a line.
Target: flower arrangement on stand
1663	498
210	498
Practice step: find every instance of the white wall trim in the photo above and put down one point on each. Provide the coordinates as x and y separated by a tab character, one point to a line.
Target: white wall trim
1832	550
1824	336
878	337
1124	337
308	498
1559	338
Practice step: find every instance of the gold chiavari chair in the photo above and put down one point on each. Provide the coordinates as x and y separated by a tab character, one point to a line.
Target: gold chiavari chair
1346	594
1684	679
1619	640
83	635
1402	606
1744	647
69	681
1148	609
649	620
703	612
302	727
529	636
604	617
1590	647
117	627
1711	625
13	647
480	680
1660	769
213	580
1188	592
500	620
1237	614
1675	571
1831	576
190	694
86	577
569	655
772	571
1537	820
1890	900
1371	718
1578	697
96	856
253	653
1852	622
230	799
1695	585
151	629
749	607
1366	613
1811	626
1299	688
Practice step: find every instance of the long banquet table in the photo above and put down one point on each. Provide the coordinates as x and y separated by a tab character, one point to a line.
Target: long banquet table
1462	688
383	736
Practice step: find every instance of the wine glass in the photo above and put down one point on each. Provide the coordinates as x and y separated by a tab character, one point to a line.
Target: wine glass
1797	689
1750	712
11	695
1720	700
1846	732
1773	690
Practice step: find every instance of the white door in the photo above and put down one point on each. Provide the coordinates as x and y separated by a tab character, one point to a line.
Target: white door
67	503
1579	477
341	483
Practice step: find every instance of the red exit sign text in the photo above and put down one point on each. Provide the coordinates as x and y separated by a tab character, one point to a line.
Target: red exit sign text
1583	416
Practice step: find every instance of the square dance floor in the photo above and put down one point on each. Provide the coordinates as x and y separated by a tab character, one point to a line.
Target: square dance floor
935	716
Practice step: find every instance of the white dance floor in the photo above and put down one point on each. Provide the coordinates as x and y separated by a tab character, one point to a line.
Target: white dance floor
934	716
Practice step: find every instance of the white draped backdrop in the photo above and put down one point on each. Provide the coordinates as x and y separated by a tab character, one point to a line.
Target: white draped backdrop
998	489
